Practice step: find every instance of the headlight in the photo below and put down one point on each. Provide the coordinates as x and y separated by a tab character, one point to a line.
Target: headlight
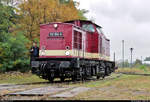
67	53
55	26
43	53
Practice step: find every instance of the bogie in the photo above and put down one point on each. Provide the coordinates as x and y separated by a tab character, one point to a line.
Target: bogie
87	70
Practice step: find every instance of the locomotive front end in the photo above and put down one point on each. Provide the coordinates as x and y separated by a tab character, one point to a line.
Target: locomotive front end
55	40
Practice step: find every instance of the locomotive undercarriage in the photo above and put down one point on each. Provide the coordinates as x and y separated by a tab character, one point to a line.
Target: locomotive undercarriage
77	69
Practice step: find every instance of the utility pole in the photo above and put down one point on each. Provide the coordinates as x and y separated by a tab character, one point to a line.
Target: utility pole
141	60
114	57
131	49
122	53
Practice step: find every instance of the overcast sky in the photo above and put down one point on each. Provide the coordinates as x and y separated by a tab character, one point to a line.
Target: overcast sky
127	20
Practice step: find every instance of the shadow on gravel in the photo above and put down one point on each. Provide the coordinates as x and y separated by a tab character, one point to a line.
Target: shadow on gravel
34	83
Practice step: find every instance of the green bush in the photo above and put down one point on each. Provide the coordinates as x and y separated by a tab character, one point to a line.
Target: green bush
14	53
143	67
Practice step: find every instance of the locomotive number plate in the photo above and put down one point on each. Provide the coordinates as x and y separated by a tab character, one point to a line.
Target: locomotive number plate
56	34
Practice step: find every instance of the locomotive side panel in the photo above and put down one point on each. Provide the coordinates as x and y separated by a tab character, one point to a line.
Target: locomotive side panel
97	45
107	49
78	43
92	46
91	40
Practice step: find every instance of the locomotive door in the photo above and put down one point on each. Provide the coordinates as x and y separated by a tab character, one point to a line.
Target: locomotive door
78	43
100	46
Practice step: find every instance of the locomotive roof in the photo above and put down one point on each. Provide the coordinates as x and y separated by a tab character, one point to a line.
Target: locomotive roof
52	23
78	20
89	22
72	21
83	21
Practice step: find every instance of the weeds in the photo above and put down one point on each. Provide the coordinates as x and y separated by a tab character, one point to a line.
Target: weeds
19	78
139	70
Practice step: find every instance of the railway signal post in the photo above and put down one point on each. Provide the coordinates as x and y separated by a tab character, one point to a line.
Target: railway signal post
131	49
122	53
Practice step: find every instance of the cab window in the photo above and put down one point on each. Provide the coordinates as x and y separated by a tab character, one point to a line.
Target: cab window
88	27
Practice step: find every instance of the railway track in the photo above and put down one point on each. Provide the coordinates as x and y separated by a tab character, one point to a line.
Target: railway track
69	81
130	73
56	89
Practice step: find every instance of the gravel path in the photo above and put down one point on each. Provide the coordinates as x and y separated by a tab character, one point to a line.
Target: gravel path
41	91
71	93
9	86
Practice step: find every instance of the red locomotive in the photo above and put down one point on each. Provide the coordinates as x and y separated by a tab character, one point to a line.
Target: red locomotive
75	49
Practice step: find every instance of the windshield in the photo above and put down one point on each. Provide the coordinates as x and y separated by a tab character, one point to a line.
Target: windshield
99	30
88	27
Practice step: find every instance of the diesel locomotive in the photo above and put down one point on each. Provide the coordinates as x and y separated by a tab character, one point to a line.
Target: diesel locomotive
75	49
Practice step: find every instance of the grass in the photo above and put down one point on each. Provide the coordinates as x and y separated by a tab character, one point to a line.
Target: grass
127	87
138	70
19	78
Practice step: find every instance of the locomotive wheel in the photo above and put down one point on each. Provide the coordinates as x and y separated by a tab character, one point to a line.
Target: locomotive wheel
107	71
62	79
103	76
51	79
97	77
75	78
82	77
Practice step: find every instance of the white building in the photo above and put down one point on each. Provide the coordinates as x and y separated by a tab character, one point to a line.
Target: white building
146	62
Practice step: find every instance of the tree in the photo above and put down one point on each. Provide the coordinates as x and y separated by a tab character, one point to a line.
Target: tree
126	63
81	13
13	52
137	62
36	12
12	3
7	20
